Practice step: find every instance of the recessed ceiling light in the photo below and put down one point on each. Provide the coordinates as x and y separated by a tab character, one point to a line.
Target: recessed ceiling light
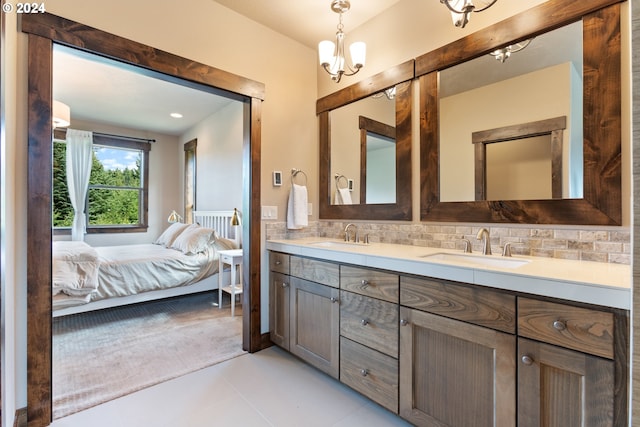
176	115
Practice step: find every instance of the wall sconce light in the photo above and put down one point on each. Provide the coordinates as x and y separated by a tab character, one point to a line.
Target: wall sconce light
174	217
461	9
331	54
61	116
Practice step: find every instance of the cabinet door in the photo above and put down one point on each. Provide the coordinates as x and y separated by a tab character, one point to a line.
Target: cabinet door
563	388
314	329
279	309
455	374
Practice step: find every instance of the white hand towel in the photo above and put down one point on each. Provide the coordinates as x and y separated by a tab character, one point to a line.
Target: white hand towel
345	196
297	214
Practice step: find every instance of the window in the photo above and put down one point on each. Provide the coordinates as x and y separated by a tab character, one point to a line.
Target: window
118	188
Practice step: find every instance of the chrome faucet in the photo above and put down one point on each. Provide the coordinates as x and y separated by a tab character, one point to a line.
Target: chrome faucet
347	233
483	235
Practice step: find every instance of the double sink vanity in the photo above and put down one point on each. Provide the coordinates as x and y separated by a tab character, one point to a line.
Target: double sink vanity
444	337
448	338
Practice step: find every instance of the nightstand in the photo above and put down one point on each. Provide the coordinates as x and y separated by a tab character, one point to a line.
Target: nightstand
233	258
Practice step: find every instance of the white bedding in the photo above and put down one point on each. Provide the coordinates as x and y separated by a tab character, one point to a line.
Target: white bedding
75	269
123	270
132	269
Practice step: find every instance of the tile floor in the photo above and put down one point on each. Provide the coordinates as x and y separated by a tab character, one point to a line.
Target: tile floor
269	388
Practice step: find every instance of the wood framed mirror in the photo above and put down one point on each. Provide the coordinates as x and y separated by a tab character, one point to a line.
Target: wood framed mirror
395	86
601	200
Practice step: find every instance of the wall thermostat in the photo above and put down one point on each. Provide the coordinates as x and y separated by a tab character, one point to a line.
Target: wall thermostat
277	178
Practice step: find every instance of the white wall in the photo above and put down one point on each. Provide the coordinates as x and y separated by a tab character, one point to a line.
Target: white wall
219	159
540	95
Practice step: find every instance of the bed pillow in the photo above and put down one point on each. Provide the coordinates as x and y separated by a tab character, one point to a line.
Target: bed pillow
170	234
193	240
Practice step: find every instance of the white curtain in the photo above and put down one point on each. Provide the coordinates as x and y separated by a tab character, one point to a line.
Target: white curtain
79	158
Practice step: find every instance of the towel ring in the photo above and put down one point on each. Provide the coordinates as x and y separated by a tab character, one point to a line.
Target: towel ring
295	172
338	177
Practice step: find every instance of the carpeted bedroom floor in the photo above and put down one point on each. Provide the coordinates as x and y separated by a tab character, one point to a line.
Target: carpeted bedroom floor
106	354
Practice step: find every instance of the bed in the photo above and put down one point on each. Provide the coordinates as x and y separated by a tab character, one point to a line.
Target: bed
183	260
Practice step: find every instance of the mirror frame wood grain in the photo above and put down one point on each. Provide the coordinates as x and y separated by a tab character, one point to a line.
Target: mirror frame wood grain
602	201
400	76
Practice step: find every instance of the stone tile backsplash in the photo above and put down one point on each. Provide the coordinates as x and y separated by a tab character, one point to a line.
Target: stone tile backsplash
593	244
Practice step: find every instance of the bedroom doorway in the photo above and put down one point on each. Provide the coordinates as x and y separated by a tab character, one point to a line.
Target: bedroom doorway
43	30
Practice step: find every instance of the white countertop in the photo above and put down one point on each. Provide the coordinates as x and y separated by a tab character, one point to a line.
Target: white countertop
597	283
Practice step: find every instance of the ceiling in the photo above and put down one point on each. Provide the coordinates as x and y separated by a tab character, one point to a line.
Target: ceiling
308	21
105	91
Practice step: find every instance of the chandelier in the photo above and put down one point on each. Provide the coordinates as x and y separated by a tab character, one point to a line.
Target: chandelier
389	93
461	9
331	54
504	53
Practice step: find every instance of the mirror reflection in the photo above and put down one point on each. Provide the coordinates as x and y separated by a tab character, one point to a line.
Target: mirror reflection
542	81
363	151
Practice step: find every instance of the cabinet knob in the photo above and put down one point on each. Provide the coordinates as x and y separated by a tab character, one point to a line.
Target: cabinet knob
527	360
278	262
559	325
365	283
404	322
364	322
285	284
364	372
334	300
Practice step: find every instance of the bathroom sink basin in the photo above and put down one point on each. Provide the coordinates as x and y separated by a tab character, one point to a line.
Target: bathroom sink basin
331	244
480	260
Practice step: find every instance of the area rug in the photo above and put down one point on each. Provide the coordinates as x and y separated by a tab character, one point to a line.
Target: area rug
106	354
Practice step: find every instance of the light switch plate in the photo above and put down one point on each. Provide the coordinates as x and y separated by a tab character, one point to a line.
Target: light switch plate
270	212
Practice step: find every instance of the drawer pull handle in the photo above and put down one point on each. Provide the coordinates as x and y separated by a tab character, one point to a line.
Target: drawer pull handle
404	322
278	262
285	284
365	283
364	322
527	360
334	300
559	325
364	372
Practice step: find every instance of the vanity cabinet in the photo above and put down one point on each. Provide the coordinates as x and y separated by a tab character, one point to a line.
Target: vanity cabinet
439	352
567	376
279	299
454	369
304	314
369	333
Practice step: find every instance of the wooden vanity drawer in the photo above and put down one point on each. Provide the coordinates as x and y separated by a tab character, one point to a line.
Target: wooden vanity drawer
369	321
582	329
370	372
371	283
279	262
477	305
323	272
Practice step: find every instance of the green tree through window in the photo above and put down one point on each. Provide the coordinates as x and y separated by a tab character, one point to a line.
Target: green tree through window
117	192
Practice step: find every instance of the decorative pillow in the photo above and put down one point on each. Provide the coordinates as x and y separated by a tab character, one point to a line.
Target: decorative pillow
193	240
170	234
